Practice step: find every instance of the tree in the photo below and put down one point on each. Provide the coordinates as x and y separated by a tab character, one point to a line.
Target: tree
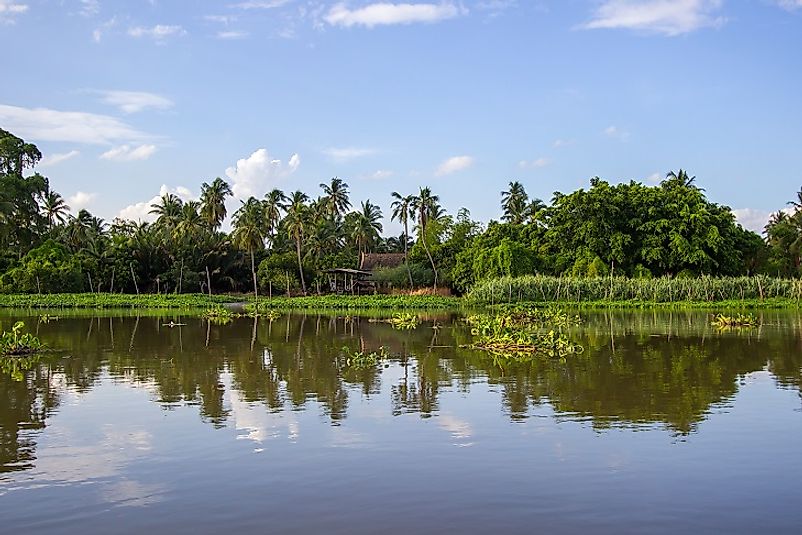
402	210
515	203
296	226
367	226
248	234
336	197
273	206
54	208
426	206
213	202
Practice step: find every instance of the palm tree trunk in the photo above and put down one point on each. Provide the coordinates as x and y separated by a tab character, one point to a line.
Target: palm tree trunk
300	265
406	252
431	260
255	287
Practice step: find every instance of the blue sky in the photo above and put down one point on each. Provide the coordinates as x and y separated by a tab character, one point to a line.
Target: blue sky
128	99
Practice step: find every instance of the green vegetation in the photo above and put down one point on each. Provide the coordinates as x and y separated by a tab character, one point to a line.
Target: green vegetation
639	292
738	320
17	343
389	302
520	335
404	321
362	359
103	300
610	242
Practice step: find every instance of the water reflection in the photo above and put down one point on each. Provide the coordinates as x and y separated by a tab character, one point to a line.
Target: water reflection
638	369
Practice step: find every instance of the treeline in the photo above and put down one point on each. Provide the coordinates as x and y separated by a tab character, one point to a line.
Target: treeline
284	242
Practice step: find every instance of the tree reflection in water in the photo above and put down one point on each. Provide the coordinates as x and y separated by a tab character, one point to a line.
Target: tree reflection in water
638	368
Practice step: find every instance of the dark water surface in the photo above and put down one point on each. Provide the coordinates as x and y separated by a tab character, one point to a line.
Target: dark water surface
662	425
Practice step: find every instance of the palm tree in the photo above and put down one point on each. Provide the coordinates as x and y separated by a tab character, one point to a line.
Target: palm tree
402	210
296	225
273	206
514	202
681	177
248	234
167	210
54	208
535	210
425	206
367	226
213	202
798	202
336	197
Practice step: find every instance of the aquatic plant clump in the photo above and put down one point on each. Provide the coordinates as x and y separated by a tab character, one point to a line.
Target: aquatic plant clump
507	335
107	300
404	321
17	343
363	359
738	320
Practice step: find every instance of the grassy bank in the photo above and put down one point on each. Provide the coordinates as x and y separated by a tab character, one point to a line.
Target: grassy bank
103	300
387	302
701	292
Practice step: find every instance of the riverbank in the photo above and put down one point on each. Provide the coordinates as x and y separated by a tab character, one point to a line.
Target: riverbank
106	300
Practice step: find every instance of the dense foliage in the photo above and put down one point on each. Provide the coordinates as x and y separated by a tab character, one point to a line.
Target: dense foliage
282	244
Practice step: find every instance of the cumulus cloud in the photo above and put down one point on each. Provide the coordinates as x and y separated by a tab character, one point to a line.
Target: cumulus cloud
158	33
135	101
56	158
80	200
232	34
140	211
9	10
454	164
385	14
667	17
381	174
534	164
754	219
43	124
345	154
127	153
255	174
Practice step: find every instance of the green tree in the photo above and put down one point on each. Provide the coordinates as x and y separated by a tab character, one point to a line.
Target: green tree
213	202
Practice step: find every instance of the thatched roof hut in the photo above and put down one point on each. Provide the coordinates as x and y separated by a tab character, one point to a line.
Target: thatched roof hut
373	261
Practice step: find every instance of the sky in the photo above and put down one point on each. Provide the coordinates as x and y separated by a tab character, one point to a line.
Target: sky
131	99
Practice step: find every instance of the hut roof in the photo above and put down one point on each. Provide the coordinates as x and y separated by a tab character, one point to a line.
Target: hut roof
374	261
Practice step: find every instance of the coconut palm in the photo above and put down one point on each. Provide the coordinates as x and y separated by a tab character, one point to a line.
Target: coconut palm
167	210
336	197
248	234
402	210
213	202
54	208
295	222
681	177
515	203
273	206
367	226
426	206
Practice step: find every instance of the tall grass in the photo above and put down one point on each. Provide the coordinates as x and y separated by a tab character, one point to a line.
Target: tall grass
541	288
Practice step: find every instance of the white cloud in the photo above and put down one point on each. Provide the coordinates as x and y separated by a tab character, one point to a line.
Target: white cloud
80	200
385	13
754	219
158	33
56	158
43	124
559	143
615	132
344	154
790	5
90	8
452	165
667	17
127	153
256	173
381	174
654	178
140	211
9	10
135	101
263	4
232	34
534	164
97	33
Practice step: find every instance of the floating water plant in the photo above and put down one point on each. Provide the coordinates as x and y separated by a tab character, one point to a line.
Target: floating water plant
508	334
739	320
17	343
404	321
362	359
